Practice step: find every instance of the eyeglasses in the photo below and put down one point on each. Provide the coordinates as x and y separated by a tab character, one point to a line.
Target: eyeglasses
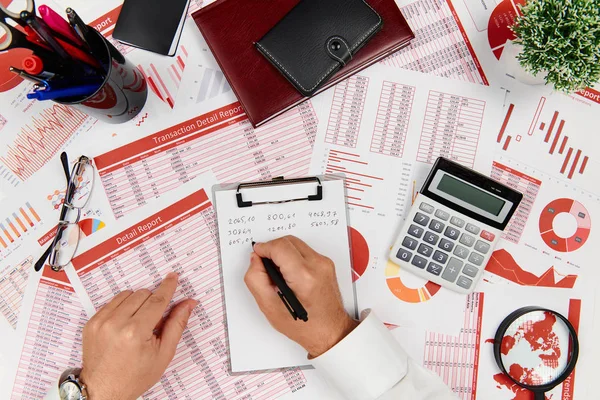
77	195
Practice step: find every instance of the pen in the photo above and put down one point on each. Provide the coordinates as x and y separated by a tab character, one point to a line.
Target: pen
51	94
286	294
27	76
58	24
43	31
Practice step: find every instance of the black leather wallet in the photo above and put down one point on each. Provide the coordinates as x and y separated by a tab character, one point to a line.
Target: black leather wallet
317	38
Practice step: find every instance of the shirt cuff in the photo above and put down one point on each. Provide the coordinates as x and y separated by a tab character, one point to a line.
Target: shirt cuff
366	363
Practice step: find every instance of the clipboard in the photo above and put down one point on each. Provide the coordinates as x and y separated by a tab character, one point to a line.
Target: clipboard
276	182
311	208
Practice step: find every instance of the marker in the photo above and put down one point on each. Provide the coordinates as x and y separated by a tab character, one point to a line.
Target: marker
58	24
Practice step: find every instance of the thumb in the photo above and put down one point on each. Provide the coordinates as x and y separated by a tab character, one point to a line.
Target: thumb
174	326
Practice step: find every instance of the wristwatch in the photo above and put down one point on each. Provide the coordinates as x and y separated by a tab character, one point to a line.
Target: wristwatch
70	387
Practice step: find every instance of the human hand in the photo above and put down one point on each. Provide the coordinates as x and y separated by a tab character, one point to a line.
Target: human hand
128	345
312	278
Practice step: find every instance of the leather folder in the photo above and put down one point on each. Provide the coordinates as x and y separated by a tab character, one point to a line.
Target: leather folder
233	28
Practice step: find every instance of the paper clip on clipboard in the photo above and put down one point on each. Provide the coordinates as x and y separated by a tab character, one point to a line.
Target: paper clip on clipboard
276	182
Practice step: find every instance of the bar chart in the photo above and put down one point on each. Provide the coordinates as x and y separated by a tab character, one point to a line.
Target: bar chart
556	142
16	224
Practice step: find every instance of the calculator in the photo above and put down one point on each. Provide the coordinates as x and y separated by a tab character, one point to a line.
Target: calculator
454	225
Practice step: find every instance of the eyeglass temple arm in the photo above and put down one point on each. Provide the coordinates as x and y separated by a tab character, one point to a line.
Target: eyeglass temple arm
64	159
40	263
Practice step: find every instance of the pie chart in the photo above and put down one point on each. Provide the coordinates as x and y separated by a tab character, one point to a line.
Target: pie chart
405	293
360	254
90	225
501	19
553	215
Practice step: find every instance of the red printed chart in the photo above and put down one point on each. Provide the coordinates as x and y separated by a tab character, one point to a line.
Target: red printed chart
53	339
222	141
523	183
550	225
13	281
456	358
360	254
346	111
405	293
451	128
181	238
503	264
441	46
393	117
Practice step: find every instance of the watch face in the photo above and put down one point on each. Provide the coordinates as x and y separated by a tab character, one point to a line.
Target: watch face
69	391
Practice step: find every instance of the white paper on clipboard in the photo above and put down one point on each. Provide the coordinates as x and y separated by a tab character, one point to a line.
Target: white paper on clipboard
322	224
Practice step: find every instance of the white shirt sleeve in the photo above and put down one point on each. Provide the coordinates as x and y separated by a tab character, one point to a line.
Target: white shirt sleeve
370	364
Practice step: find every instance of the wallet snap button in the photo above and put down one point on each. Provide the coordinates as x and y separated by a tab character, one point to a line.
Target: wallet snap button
335	45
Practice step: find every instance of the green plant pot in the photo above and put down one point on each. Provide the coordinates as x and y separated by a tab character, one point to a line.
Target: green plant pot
513	67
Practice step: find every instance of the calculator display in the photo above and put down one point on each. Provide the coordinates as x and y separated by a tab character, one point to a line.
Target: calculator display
470	194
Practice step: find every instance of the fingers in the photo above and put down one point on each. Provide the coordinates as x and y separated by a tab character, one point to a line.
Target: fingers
112	305
152	310
131	304
174	326
285	255
257	280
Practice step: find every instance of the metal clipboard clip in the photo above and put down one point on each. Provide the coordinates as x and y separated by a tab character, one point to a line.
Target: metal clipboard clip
276	182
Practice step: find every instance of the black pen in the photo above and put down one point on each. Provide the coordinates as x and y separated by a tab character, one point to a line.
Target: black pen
286	294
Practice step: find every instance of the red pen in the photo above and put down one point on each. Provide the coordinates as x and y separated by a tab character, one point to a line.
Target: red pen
58	24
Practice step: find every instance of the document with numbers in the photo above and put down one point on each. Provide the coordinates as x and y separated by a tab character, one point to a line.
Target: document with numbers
322	224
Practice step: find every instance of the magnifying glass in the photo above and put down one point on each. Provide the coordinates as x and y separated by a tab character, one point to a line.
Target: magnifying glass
536	348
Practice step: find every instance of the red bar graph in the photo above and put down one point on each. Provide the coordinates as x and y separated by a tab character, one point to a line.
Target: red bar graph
505	123
554	136
358	179
557	136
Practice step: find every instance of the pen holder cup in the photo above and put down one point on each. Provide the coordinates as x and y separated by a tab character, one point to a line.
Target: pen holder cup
123	92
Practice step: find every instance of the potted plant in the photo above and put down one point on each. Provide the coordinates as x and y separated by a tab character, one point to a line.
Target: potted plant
558	43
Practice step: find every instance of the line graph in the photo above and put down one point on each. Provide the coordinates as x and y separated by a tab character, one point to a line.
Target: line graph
39	140
503	264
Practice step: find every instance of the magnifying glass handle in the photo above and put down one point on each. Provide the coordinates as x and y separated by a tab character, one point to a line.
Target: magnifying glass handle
539	396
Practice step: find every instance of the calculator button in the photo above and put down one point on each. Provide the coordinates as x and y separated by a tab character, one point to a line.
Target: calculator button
419	262
482	247
472	229
470	270
476	259
467	240
452	269
425	250
452	233
440	257
464	282
457	221
404	255
442	215
421	219
410	243
434	268
446	244
430	238
489	236
415	231
436	226
426	207
461	252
